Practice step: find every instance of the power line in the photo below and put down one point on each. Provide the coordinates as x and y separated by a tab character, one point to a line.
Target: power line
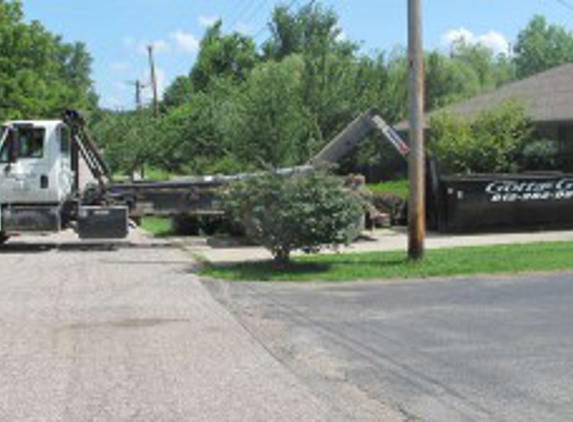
565	4
265	27
240	12
257	10
247	11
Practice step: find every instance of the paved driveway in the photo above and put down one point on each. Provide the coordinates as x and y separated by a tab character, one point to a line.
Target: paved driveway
486	349
127	333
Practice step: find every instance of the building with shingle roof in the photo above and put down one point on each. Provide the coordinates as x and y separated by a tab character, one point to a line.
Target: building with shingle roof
547	98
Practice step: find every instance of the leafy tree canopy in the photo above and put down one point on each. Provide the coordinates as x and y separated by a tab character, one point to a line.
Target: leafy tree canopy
244	108
541	46
41	74
231	56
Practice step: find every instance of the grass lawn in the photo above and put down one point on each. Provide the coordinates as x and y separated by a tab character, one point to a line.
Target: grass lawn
150	174
548	256
396	187
157	226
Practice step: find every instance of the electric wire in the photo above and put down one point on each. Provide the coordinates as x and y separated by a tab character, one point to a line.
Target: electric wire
239	13
265	27
565	4
257	10
252	7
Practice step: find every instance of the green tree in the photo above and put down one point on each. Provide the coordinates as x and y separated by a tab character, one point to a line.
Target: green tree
312	27
481	60
129	139
178	92
197	136
397	89
272	126
449	80
328	79
223	56
238	111
41	75
468	70
541	46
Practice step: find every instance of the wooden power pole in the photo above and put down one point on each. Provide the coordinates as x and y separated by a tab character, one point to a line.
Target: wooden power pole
416	164
138	88
153	82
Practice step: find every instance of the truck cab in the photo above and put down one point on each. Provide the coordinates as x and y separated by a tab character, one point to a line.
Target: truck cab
37	178
35	163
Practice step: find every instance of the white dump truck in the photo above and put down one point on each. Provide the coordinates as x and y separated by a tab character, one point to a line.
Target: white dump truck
41	187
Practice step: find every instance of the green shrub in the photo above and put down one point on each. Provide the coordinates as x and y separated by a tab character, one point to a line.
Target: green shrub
488	144
540	155
297	211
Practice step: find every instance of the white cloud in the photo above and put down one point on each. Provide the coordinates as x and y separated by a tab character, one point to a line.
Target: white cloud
141	46
494	40
185	41
178	40
208	21
455	35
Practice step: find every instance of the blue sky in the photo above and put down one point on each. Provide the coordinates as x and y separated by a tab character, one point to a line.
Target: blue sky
116	31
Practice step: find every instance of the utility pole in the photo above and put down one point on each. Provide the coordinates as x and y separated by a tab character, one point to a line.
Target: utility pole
153	82
416	163
138	89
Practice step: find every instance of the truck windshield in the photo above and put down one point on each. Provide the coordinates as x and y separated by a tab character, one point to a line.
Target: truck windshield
28	141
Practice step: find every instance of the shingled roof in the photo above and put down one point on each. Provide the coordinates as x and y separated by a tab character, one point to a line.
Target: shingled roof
547	97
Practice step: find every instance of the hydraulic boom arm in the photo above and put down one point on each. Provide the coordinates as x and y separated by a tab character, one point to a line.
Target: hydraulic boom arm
87	147
354	134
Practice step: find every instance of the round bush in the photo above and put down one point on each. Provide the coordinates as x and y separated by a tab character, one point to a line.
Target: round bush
297	211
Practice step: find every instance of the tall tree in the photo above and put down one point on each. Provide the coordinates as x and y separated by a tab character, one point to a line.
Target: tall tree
312	27
541	46
491	69
273	126
41	74
178	93
450	79
229	56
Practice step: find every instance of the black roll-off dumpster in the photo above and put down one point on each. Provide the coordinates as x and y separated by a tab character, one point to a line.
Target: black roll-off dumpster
486	202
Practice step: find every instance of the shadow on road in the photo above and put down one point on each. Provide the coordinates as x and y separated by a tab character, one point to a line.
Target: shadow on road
16	247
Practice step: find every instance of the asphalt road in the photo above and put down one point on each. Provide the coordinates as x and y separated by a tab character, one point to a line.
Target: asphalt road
483	349
126	332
